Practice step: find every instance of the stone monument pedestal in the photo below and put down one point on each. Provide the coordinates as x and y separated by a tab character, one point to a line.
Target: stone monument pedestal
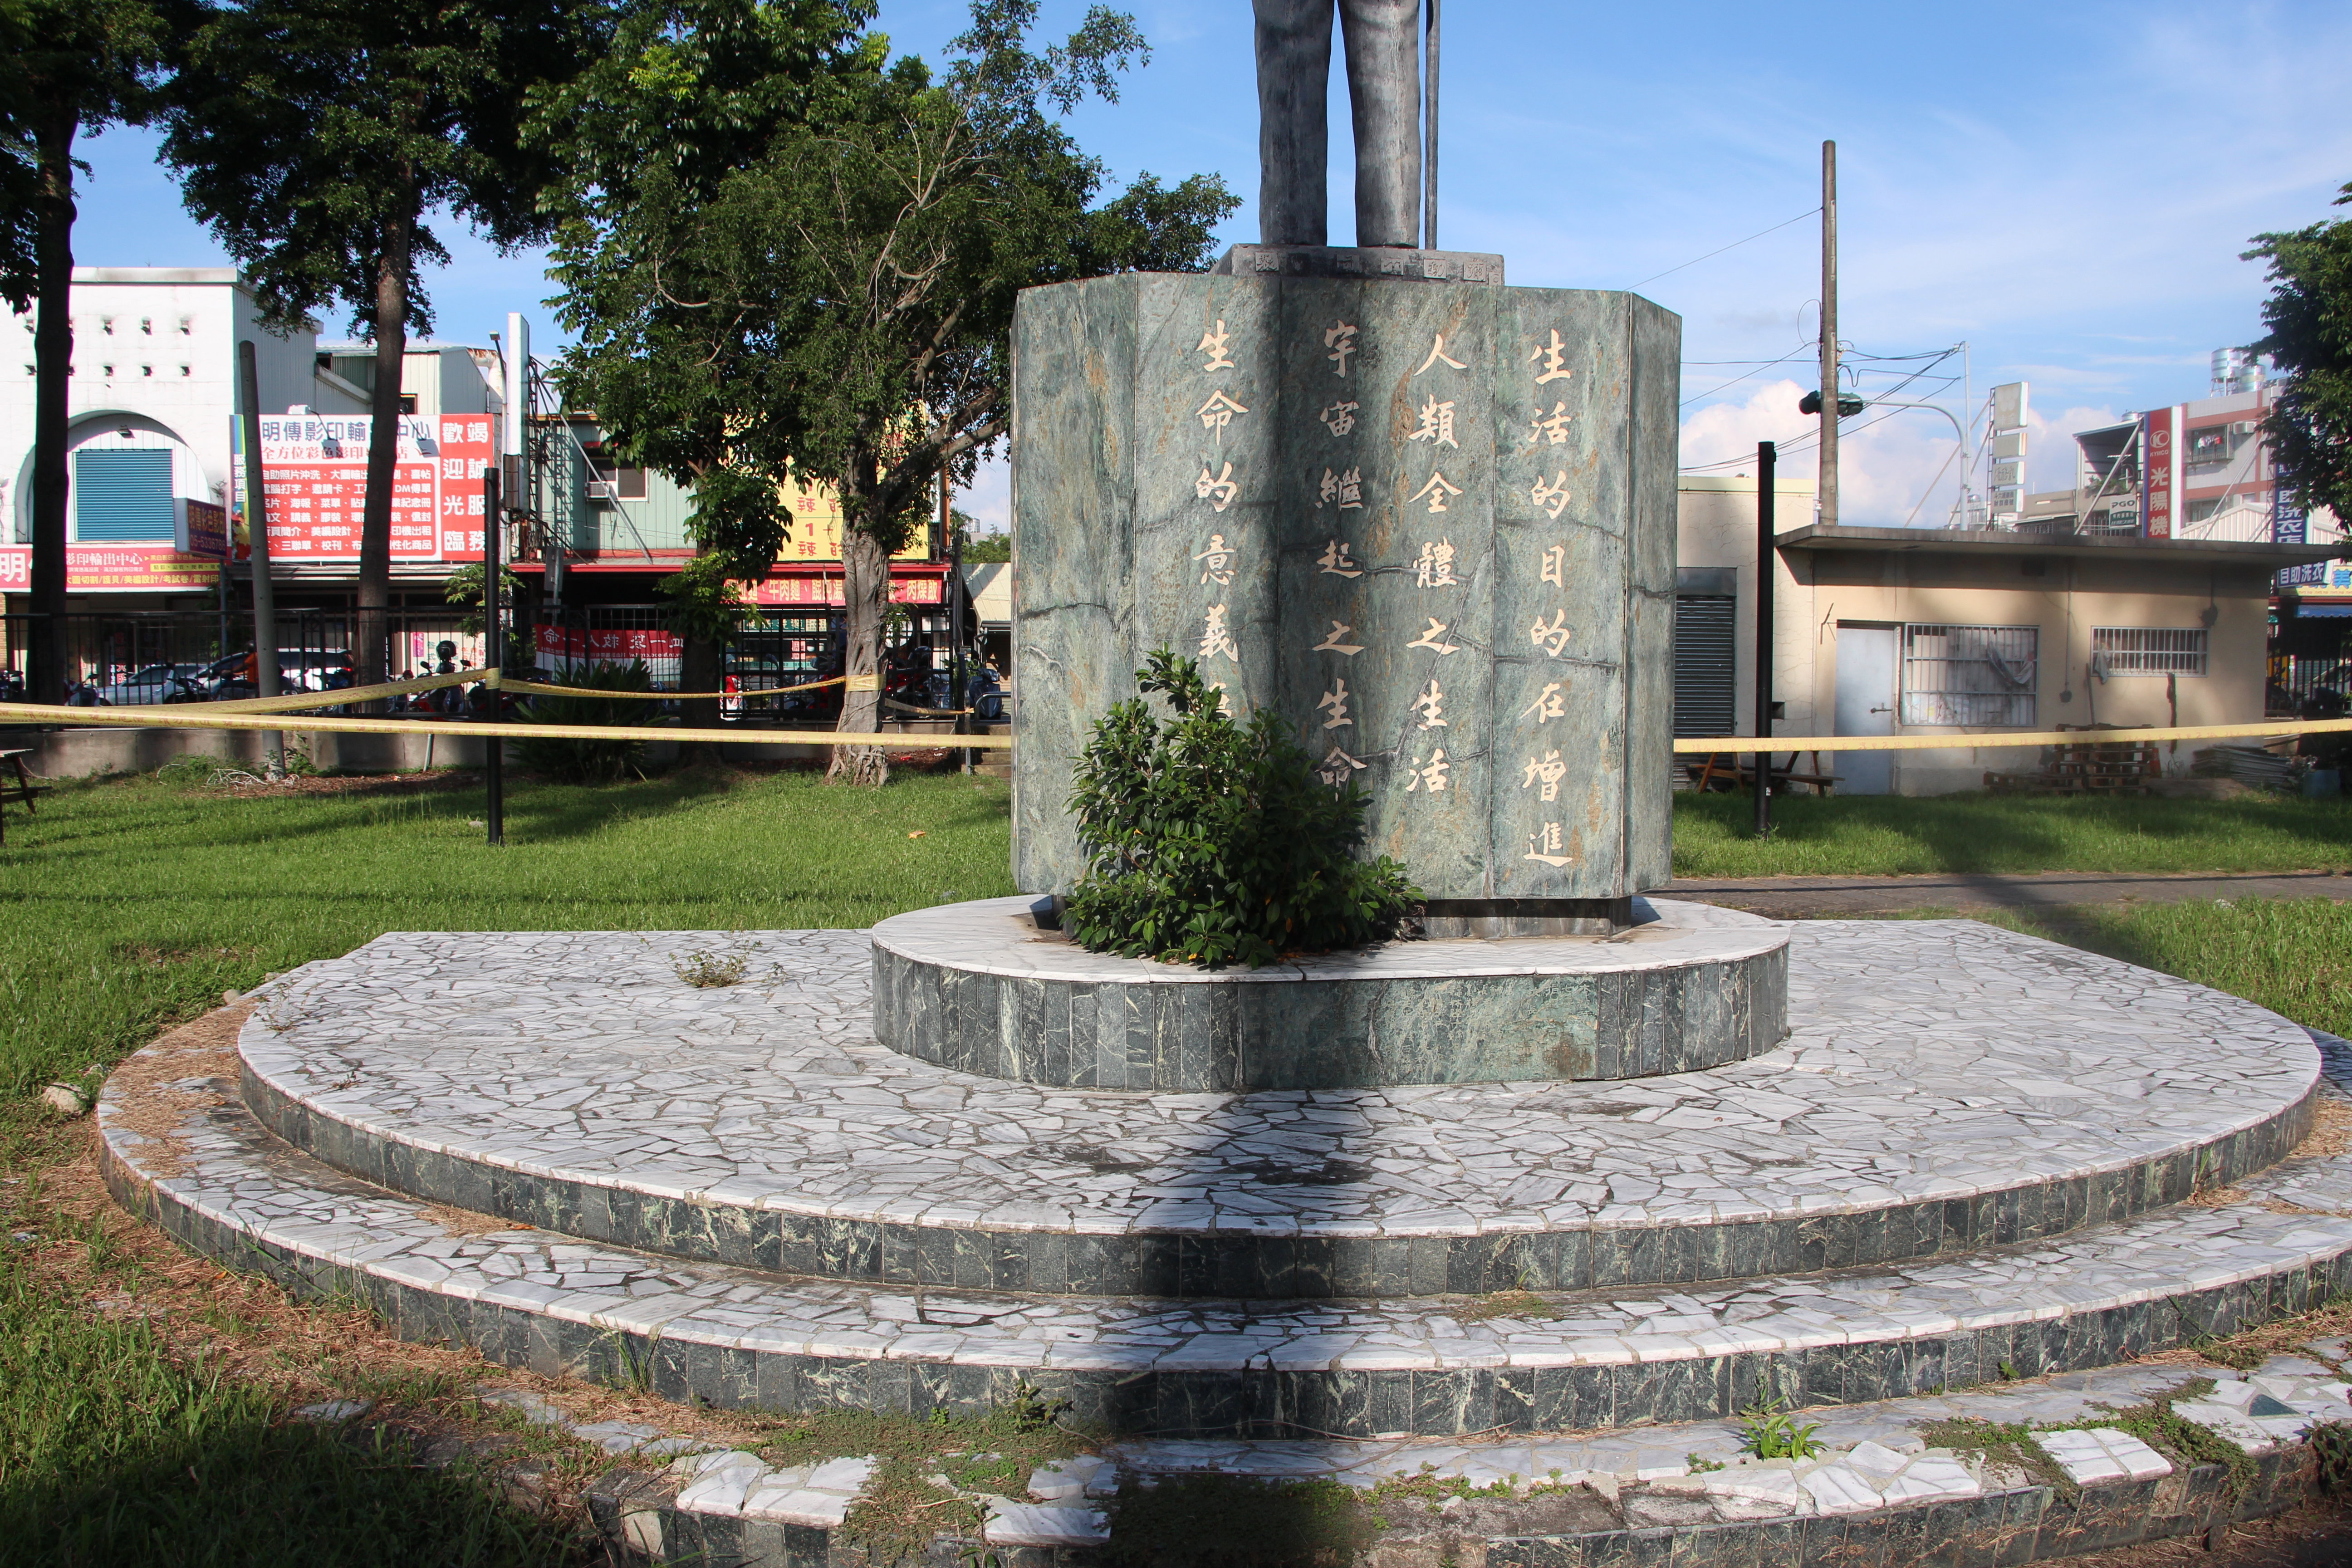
1426	517
978	987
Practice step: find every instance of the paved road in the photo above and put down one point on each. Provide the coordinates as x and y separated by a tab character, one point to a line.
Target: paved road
1793	897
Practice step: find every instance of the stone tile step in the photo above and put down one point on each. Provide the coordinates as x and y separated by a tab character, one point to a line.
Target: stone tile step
188	1153
1685	1492
1947	1087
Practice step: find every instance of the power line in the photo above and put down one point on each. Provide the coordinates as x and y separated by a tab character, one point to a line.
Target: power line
1735	244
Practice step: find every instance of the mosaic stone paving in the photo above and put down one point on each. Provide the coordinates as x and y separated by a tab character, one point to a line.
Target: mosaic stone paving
225	1185
1930	1061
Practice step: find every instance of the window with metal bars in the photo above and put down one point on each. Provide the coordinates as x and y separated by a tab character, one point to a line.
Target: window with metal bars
2149	650
1973	676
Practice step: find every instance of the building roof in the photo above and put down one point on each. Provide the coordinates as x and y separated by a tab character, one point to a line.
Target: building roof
154	275
2002	541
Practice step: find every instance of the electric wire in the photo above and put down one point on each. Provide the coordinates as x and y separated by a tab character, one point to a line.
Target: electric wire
1735	244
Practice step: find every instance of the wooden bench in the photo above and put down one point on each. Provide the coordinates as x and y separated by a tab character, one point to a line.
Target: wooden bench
1736	773
25	788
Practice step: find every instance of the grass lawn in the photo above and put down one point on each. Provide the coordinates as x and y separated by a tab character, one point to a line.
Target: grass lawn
131	903
1893	835
2293	956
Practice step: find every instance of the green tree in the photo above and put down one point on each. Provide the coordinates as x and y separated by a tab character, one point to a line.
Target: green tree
314	137
2309	314
979	548
65	71
813	272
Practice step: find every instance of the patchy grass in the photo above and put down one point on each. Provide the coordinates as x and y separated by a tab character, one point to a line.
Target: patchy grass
2177	1439
128	904
1897	835
2291	955
2007	1442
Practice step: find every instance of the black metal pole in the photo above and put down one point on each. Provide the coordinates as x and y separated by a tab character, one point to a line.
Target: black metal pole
494	656
1767	562
257	533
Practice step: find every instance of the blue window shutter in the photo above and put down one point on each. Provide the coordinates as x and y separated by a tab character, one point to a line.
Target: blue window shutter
121	496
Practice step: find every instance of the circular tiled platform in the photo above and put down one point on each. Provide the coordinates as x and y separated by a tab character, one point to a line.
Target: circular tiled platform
978	987
1946	1086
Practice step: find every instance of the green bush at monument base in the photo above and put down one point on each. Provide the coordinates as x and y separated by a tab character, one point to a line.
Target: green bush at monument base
1215	843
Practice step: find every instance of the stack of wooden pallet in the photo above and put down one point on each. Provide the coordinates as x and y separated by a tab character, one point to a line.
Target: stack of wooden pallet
2107	766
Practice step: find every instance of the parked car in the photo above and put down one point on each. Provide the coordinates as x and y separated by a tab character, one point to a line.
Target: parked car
299	669
156	683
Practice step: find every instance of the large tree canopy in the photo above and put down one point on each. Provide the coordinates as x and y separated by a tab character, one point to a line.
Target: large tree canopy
818	279
66	66
315	138
2309	314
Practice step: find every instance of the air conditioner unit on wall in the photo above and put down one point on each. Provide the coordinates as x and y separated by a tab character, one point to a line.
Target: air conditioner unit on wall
602	489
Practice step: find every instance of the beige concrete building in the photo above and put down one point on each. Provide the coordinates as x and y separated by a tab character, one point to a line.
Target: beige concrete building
1964	634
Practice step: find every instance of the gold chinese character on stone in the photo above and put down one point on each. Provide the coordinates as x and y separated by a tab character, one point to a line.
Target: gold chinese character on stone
1549	704
1337	767
1430	706
1436	490
1552	639
1554	425
1553	358
1433	638
1434	568
1212	343
1335	703
1432	773
1341	341
1437	356
1436	425
1346	489
1217	561
1215	638
1555	565
1332	644
1552	498
1218	412
1219	489
1335	560
1548	771
1339	418
1545	845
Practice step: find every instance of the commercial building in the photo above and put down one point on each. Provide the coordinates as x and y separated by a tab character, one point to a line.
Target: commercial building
1964	633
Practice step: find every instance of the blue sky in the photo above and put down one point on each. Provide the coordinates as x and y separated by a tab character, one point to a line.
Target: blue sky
2067	188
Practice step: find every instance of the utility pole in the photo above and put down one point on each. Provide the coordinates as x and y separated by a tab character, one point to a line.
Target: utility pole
494	814
1828	457
955	620
1429	136
257	533
1767	562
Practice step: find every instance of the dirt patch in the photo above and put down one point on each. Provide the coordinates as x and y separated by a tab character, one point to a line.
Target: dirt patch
155	1090
465	1222
2331	1130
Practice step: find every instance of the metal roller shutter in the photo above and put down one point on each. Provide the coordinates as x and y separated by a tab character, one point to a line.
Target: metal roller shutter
1703	664
120	496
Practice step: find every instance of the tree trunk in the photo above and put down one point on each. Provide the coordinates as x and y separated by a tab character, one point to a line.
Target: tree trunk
53	357
373	631
866	610
701	666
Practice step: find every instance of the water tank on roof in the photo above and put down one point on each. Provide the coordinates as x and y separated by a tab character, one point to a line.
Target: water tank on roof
2235	370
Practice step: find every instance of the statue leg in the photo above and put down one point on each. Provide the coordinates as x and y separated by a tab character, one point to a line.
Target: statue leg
1384	90
1293	77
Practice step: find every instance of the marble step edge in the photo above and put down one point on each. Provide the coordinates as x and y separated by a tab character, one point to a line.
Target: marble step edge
2010	1526
1275	1260
218	1182
1683	1494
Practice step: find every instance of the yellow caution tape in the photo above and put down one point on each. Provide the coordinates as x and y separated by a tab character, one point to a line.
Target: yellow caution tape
303	701
206	716
1750	744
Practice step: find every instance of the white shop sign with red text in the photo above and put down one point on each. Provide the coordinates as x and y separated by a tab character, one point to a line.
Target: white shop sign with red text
314	473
